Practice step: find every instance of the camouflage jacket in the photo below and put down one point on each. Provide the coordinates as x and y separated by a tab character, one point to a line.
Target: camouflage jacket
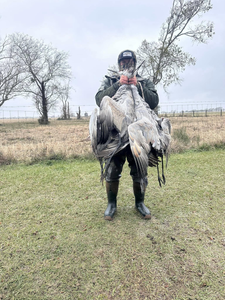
110	85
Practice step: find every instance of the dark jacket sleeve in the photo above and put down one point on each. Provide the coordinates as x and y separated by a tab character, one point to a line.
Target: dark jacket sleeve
106	89
150	93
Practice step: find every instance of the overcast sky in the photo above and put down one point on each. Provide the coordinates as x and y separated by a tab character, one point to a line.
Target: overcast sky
94	32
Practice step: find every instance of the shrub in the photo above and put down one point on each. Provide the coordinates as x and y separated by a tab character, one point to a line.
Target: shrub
181	135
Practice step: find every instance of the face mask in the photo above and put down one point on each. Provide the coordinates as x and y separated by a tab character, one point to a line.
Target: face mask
127	65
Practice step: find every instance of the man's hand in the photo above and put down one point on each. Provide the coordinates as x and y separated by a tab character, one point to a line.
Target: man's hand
124	80
133	80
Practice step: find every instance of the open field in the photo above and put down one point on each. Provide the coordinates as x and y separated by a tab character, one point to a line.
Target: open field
198	130
56	245
28	141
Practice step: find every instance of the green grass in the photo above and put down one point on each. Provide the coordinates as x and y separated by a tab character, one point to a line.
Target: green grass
55	243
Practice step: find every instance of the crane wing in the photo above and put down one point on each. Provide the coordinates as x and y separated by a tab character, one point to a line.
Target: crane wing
143	137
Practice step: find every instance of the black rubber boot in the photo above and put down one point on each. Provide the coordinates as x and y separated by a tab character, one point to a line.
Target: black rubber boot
139	201
112	190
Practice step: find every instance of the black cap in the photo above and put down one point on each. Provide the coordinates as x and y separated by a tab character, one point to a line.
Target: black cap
127	54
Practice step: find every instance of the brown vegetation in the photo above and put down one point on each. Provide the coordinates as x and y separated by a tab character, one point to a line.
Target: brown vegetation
26	140
33	142
199	131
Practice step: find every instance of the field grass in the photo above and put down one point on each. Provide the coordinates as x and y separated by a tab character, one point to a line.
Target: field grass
195	132
28	141
55	243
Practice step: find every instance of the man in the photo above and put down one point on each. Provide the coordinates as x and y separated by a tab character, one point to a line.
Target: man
126	60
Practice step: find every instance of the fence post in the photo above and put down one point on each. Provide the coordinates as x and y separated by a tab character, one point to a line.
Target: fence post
206	112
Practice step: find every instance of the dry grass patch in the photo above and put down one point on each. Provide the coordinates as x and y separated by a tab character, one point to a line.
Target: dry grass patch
34	142
199	131
28	141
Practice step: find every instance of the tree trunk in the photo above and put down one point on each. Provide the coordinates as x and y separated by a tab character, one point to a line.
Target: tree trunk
79	113
64	111
45	111
68	111
44	118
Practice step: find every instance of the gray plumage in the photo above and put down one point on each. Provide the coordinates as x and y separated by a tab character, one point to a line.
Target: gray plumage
127	119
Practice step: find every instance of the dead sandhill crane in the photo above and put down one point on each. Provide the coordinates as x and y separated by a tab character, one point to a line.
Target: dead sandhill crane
127	119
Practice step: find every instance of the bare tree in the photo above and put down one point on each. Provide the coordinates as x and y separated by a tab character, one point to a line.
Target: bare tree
164	60
12	74
47	68
64	95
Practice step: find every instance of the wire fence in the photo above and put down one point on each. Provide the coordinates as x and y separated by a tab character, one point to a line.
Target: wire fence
171	109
